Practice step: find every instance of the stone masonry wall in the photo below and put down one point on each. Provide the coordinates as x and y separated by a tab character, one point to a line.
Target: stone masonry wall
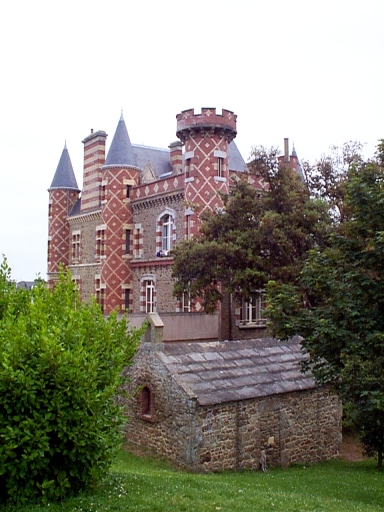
299	427
173	431
161	268
86	267
146	214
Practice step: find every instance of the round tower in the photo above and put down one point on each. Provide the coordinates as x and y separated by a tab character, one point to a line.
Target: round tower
206	137
119	175
63	193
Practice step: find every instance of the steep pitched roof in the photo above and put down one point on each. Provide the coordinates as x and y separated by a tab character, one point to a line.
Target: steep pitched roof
299	168
64	176
121	151
217	372
235	160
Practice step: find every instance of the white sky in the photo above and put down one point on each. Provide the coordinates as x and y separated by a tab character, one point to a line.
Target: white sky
310	71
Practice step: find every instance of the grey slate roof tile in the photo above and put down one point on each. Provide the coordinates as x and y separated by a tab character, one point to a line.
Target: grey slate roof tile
121	151
64	176
216	372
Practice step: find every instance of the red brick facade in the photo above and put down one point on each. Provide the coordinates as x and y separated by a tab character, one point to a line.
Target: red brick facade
135	205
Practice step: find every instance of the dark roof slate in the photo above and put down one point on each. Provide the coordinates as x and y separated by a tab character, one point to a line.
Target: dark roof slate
64	176
159	158
217	372
236	161
121	151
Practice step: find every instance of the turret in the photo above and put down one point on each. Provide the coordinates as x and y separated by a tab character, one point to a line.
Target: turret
206	137
63	193
291	160
119	175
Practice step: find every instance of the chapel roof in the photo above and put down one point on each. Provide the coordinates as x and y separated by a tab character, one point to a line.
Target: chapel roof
226	371
64	177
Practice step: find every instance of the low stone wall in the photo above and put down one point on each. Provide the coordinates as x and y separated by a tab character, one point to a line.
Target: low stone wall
183	326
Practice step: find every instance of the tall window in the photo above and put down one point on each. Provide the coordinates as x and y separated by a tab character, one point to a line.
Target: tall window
146	404
149	296
167	232
220	167
126	299
75	245
251	311
100	237
186	302
127	241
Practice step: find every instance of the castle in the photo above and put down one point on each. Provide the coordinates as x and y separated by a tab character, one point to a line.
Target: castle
210	392
135	205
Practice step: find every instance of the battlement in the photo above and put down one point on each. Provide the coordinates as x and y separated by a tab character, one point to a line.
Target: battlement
208	120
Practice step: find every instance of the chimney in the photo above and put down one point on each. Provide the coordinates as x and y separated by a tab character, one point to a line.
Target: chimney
176	156
286	150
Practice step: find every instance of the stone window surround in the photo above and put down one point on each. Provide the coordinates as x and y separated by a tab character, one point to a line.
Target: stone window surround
146	404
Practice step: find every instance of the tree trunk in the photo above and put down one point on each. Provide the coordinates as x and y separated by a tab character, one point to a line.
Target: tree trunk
380	459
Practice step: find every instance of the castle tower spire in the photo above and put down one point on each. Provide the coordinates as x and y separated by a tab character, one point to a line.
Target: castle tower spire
64	176
121	151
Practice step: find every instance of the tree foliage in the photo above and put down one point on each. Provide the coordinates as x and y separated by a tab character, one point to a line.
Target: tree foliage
327	178
338	304
61	363
257	236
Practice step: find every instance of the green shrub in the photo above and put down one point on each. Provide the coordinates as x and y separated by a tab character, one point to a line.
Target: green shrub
60	365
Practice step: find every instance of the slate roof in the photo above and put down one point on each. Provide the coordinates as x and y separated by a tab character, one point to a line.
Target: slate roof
299	168
121	151
217	372
236	161
64	176
159	158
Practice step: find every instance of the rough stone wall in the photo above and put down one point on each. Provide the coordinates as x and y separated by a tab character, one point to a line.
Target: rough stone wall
173	431
299	427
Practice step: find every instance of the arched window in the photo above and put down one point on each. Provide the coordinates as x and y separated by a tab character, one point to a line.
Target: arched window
165	232
148	293
149	296
146	404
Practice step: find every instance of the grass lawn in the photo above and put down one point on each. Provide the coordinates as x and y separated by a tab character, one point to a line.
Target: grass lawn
151	485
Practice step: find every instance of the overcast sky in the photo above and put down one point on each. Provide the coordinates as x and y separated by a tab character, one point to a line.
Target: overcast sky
310	71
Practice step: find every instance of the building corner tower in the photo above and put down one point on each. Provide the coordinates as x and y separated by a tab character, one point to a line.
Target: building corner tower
119	175
206	137
63	193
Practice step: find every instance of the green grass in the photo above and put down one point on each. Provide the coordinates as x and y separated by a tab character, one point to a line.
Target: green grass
151	485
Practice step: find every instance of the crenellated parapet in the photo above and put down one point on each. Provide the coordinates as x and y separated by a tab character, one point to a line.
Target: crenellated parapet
208	122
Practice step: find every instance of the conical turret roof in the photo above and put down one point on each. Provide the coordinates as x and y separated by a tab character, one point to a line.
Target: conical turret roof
64	176
121	151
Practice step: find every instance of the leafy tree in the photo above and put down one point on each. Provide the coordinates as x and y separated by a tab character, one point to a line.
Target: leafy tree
338	306
327	178
61	363
257	236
